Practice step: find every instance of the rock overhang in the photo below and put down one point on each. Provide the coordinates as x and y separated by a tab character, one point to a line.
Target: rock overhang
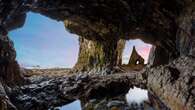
122	17
153	21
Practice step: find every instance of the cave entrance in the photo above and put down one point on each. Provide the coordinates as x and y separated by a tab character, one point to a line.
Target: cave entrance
134	57
45	43
135	54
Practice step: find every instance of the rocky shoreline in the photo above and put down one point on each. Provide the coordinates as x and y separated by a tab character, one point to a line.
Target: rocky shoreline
43	92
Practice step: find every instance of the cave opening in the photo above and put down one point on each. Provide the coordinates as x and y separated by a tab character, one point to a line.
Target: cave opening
135	57
135	54
44	43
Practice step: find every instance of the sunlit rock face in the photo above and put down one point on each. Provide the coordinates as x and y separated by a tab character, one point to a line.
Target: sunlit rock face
96	54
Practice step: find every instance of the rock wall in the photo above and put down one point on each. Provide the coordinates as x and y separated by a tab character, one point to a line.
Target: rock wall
158	56
95	54
120	49
186	31
5	103
174	83
9	68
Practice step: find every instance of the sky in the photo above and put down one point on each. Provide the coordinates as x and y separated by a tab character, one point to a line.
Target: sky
46	42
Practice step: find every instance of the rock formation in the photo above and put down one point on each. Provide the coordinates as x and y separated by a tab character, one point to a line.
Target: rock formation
174	83
94	54
135	58
167	24
186	30
9	68
158	56
136	62
167	86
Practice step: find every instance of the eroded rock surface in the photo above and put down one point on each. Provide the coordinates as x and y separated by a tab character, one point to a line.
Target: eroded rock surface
9	68
99	55
172	85
186	31
46	93
5	103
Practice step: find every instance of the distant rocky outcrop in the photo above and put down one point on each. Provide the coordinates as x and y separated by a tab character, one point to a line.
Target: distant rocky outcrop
136	62
135	58
98	55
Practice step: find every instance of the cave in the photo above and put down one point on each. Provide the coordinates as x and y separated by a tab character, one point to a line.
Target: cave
103	26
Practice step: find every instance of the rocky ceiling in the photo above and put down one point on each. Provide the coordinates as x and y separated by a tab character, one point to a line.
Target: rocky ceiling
167	24
124	18
158	22
153	21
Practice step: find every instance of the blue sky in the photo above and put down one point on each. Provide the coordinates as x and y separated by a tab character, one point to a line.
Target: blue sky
45	42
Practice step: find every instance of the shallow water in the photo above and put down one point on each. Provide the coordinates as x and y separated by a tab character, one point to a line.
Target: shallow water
136	95
76	105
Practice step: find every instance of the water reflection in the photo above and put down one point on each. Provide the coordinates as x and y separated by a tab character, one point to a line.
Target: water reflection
76	105
136	99
136	95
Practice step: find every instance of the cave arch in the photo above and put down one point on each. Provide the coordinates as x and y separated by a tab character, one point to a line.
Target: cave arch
92	21
169	23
